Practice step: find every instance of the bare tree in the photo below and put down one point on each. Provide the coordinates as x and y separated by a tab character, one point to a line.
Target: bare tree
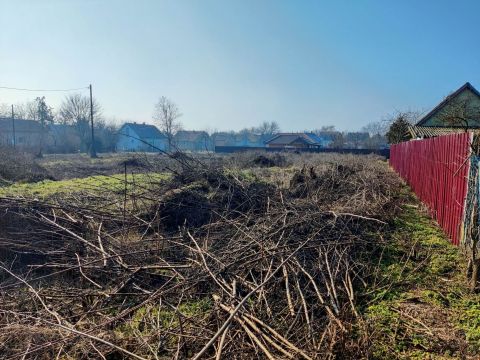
27	110
20	110
166	113
383	126
76	107
376	127
328	128
268	128
75	110
248	131
5	110
338	141
461	113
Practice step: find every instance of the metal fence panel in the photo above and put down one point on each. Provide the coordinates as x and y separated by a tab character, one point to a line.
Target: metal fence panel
437	171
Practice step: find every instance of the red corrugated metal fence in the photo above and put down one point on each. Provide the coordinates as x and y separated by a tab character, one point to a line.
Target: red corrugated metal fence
437	171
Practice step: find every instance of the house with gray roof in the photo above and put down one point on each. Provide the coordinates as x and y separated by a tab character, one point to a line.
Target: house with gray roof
24	134
460	109
223	138
191	140
456	113
294	141
141	137
249	139
243	139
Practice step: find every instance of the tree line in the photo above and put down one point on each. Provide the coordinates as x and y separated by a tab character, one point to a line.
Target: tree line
74	111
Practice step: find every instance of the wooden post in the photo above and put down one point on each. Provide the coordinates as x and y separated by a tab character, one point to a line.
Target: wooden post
13	127
93	152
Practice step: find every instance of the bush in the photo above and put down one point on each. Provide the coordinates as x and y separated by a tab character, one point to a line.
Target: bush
17	166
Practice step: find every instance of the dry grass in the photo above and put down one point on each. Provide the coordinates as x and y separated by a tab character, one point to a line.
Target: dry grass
297	259
214	261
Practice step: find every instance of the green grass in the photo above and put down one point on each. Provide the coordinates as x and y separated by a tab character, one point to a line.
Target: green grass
421	276
149	319
93	184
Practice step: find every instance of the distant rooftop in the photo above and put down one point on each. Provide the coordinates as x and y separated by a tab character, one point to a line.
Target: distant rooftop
145	131
190	135
420	132
21	125
288	138
465	87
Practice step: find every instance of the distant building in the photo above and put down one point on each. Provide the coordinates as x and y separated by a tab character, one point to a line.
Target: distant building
189	140
459	109
456	113
141	137
244	139
63	138
250	140
26	135
294	141
223	139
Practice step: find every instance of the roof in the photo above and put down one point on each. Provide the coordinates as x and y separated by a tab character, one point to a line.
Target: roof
61	129
314	137
248	136
145	131
225	135
421	132
190	135
444	102
21	125
288	138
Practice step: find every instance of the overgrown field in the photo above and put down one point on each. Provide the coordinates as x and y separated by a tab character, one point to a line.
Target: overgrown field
71	166
25	168
235	257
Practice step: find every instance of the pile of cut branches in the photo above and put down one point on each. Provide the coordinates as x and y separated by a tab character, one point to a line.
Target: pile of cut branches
18	166
217	264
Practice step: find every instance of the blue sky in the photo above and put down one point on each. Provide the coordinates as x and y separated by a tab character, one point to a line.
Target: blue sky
233	64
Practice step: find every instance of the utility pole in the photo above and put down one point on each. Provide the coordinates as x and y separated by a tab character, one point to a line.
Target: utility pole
13	127
93	152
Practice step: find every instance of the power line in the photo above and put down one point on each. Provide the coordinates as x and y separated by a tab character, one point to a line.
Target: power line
44	90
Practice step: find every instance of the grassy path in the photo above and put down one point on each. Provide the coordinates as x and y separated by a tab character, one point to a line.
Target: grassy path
421	307
94	184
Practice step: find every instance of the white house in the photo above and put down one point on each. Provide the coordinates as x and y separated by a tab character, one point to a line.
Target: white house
141	137
191	140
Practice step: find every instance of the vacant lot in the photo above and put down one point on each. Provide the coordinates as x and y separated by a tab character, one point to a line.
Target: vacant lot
71	166
246	256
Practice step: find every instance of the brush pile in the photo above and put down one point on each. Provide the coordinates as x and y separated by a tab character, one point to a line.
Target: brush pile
16	166
214	265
